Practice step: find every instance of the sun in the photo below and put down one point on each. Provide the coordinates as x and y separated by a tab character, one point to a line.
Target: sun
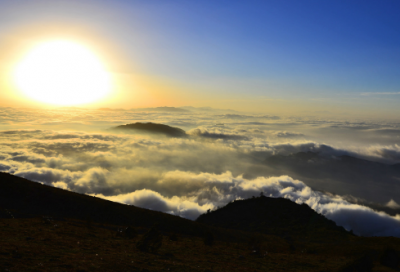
62	72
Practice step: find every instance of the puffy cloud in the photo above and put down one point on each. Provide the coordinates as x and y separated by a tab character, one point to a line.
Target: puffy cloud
222	160
392	204
207	191
132	162
388	153
4	167
215	134
286	134
152	200
48	175
233	116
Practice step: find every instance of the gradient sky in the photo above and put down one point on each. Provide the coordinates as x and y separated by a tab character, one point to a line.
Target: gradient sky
271	56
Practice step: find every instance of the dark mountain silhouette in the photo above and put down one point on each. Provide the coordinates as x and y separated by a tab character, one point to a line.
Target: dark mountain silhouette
26	199
22	198
344	167
43	228
274	216
337	174
153	128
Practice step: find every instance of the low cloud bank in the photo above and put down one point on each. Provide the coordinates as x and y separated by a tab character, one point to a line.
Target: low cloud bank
215	134
286	134
218	190
154	201
187	176
116	164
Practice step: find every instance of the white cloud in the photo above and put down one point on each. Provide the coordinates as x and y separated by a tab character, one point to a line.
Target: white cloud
380	93
392	204
208	191
188	176
152	200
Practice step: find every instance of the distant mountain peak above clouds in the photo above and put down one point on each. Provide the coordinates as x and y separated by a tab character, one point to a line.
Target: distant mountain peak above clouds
305	156
339	169
153	128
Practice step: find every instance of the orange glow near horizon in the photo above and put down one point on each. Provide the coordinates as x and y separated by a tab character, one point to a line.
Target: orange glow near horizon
62	72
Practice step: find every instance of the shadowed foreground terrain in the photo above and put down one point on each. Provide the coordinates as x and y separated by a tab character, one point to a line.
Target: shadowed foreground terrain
276	216
48	229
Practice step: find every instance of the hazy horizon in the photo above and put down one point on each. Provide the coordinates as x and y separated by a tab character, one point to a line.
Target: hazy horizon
283	58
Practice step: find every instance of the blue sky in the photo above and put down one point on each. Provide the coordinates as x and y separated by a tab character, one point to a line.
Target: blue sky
341	46
281	49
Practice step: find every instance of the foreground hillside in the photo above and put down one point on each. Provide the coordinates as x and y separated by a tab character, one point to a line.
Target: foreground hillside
26	199
48	229
275	216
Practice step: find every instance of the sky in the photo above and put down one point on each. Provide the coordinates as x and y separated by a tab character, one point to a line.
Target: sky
276	56
295	99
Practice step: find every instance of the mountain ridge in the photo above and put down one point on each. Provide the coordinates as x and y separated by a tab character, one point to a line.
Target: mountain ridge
44	228
27	199
153	128
273	216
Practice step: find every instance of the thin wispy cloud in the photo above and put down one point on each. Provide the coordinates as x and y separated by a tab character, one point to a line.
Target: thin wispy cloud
379	93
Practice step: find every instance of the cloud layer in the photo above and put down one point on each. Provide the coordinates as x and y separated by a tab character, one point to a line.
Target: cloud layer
225	157
208	191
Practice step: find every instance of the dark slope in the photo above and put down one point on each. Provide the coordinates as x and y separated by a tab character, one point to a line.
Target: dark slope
275	216
24	199
34	244
153	128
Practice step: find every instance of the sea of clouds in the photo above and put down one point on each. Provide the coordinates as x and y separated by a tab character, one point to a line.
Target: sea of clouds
75	149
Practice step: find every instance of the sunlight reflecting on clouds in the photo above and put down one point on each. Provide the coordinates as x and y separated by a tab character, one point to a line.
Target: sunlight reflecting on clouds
222	157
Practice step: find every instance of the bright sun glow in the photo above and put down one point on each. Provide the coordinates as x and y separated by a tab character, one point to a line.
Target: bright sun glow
62	73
